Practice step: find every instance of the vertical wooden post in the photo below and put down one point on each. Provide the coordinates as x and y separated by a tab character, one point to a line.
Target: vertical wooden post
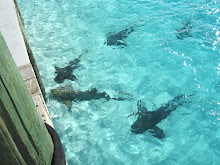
24	138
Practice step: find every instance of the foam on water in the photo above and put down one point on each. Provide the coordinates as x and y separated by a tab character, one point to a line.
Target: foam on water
154	67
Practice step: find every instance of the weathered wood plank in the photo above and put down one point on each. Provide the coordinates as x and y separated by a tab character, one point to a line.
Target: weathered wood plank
30	80
26	72
15	127
9	150
19	114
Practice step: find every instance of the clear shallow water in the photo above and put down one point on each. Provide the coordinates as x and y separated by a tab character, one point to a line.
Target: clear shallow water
154	67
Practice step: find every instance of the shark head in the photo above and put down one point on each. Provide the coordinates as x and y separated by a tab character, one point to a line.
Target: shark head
58	92
63	94
146	123
146	120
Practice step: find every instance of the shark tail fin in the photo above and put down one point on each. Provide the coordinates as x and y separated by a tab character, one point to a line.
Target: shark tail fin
57	69
138	23
83	52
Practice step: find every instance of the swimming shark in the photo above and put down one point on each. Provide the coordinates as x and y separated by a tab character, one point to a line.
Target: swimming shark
117	38
148	120
66	72
184	31
67	94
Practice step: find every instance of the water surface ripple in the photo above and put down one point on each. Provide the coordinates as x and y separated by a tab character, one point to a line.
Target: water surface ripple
159	60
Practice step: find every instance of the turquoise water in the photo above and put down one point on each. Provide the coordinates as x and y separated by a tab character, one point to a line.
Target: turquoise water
154	67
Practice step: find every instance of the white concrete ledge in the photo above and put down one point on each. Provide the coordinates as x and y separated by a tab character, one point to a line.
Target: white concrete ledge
11	32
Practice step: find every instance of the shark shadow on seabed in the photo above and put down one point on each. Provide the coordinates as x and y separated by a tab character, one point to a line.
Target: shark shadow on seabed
148	120
67	95
66	72
185	30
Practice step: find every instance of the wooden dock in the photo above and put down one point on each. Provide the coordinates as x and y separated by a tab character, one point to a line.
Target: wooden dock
24	139
27	73
12	29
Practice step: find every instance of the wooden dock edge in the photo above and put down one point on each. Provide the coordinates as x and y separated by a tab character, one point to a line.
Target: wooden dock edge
24	139
27	73
39	96
29	51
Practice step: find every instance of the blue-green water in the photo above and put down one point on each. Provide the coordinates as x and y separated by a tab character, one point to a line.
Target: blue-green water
154	67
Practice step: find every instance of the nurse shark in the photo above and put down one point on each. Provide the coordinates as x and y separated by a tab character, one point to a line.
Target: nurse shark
66	72
148	120
185	30
117	38
67	94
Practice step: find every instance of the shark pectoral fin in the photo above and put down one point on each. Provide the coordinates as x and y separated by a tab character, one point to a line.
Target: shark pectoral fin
68	103
157	132
72	77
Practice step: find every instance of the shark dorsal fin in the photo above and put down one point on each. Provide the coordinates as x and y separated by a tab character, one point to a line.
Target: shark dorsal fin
68	87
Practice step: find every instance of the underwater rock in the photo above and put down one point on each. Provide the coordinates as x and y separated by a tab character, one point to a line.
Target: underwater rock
67	95
185	30
147	120
117	38
66	72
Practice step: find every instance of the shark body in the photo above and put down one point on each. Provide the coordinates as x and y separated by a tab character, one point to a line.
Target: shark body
117	38
185	30
148	120
66	72
67	95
